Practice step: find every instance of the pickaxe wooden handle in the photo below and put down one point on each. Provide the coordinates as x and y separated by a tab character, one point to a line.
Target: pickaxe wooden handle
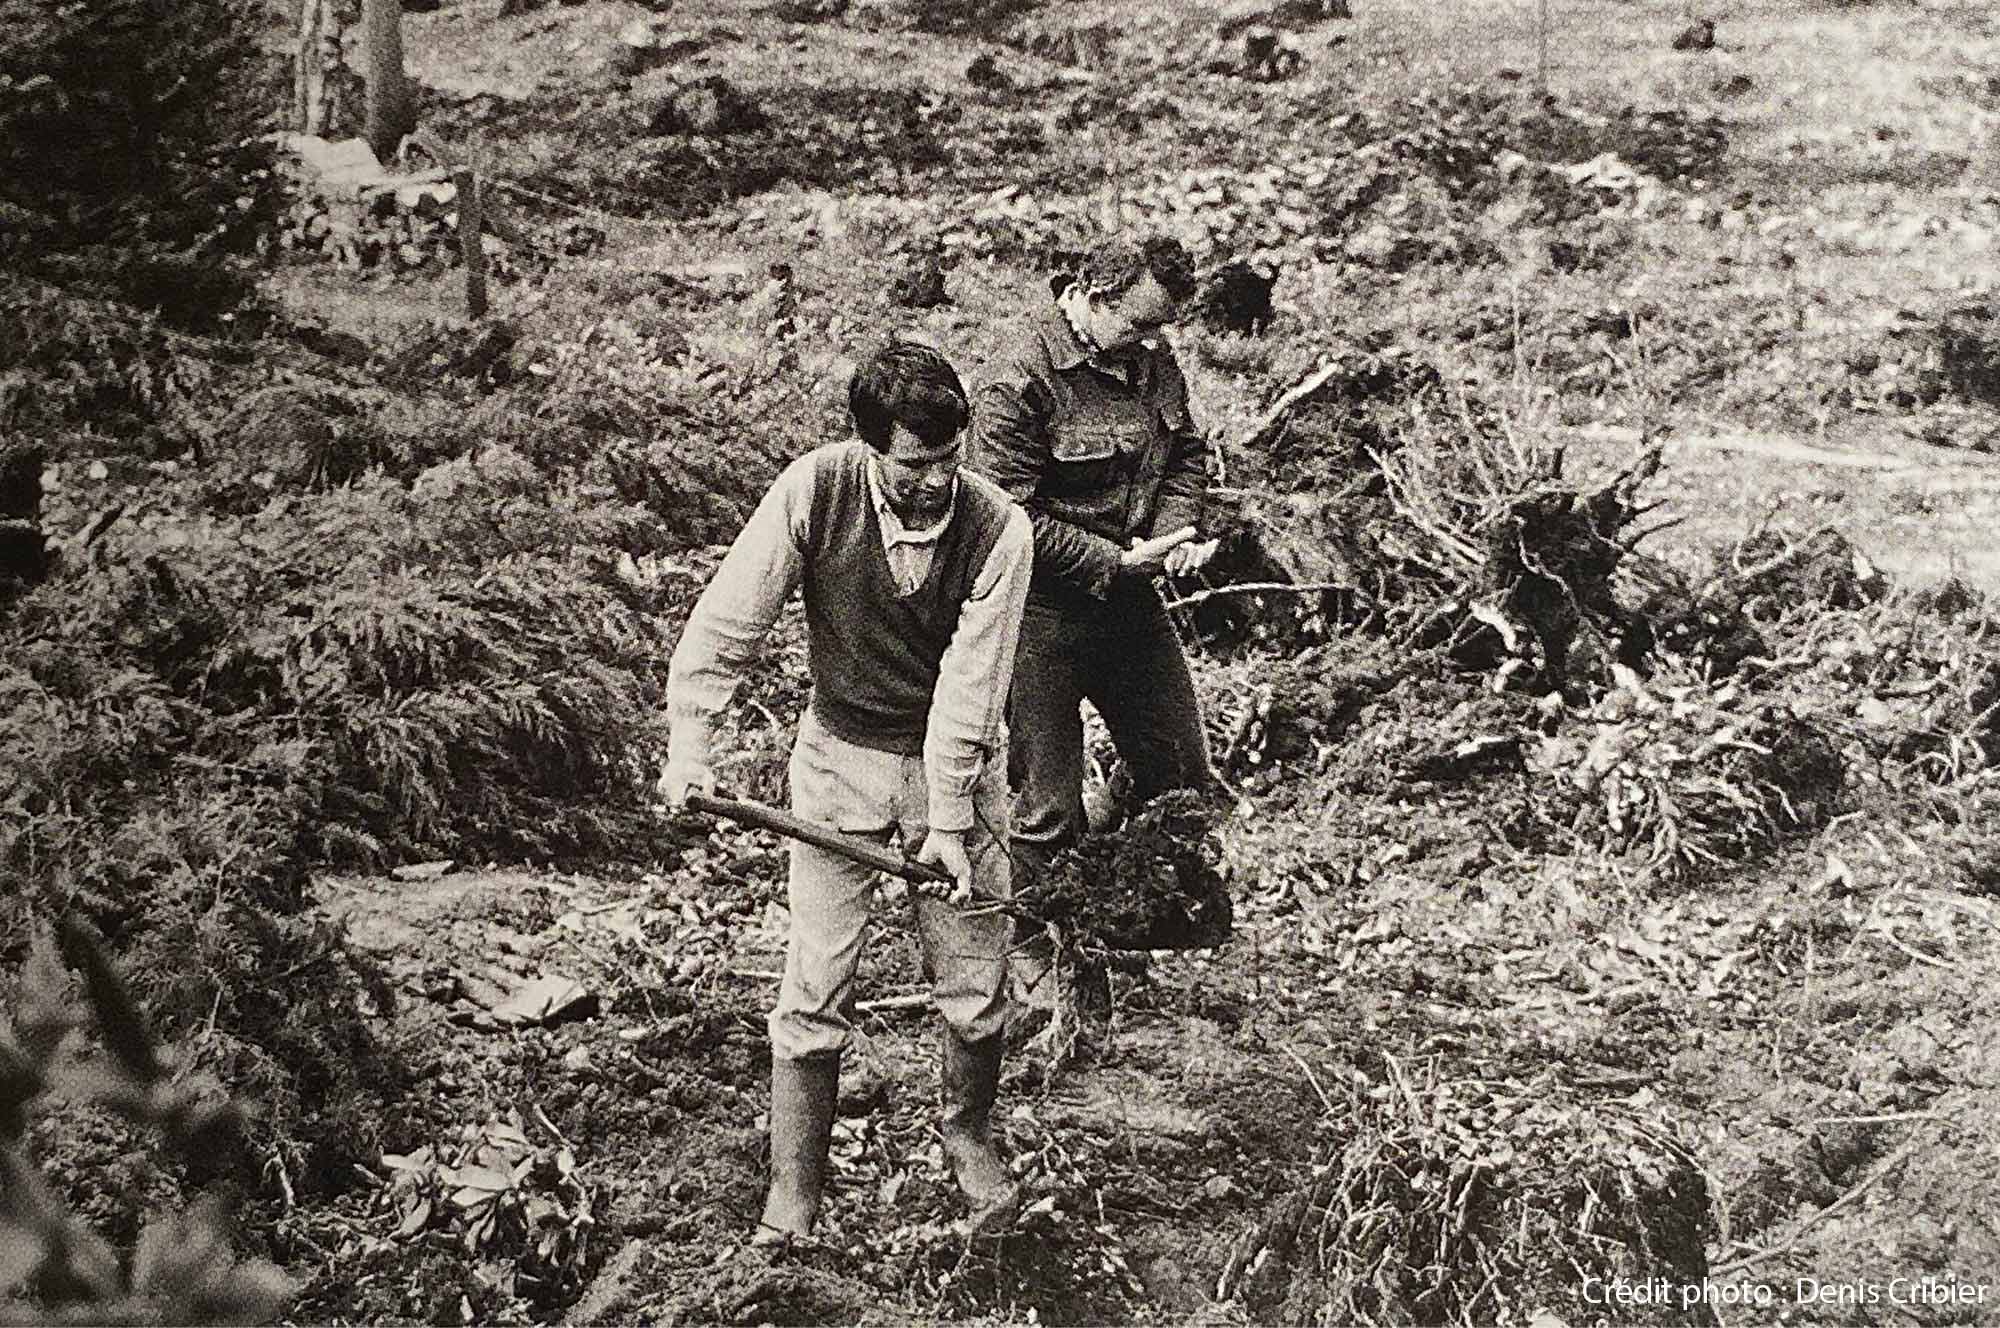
853	847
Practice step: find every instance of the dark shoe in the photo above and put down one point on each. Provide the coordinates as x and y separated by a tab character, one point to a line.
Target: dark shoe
803	1097
971	1082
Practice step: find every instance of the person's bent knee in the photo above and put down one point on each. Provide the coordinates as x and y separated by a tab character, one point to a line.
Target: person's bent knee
973	1019
986	1026
798	1038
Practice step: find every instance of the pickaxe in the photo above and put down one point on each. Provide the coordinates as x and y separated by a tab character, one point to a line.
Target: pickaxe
925	876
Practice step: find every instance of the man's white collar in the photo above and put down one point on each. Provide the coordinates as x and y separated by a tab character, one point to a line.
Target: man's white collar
878	493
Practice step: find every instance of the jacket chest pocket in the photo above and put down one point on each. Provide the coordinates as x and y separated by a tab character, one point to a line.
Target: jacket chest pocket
1089	457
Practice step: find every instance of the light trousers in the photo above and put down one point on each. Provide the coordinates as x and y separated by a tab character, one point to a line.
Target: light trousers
883	795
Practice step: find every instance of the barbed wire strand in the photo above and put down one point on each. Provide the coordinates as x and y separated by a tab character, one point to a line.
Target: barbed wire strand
519	190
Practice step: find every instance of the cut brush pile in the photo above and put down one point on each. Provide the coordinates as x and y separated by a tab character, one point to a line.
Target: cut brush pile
1156	882
1697	776
1466	1201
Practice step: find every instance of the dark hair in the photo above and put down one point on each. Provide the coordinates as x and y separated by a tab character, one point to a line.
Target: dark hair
908	384
1114	266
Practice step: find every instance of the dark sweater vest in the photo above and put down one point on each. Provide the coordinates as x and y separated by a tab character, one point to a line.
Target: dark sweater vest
875	653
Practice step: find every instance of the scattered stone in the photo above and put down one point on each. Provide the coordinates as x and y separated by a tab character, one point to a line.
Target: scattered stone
1735	85
422	871
546	1000
1236	297
984	72
919	284
339	166
710	107
1697	36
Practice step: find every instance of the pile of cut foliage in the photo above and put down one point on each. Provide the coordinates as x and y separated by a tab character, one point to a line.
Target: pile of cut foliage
1156	881
1465	1200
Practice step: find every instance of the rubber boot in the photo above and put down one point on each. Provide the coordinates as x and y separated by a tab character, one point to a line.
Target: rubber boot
1092	986
804	1094
1032	987
971	1081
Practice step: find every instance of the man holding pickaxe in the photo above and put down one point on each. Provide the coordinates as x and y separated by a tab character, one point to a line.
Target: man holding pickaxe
913	575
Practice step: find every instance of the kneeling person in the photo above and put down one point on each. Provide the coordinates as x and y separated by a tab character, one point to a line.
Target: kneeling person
914	575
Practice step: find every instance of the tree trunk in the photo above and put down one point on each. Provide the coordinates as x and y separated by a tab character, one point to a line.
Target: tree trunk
392	111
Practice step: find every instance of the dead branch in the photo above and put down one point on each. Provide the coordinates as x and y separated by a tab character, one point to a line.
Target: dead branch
1632	542
1259	587
1644	467
1792	554
1791	1242
1313	1079
907	1001
1910	950
1303	389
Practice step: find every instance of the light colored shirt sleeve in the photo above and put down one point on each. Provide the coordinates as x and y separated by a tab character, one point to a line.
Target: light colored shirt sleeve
758	574
968	709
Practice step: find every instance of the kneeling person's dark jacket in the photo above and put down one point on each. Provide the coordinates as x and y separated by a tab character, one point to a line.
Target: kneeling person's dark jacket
1098	449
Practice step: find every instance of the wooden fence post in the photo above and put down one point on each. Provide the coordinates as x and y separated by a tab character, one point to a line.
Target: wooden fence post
1542	48
470	247
390	112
